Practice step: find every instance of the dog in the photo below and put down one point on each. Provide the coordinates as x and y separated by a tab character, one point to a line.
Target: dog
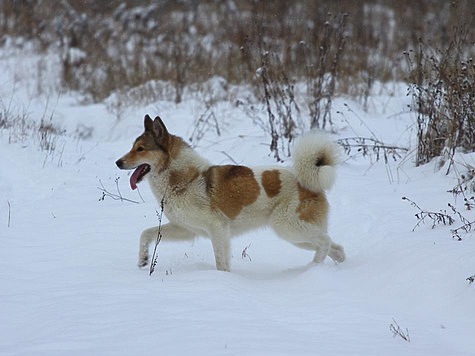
222	201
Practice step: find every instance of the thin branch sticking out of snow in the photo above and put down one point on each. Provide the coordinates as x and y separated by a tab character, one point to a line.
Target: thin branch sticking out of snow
9	212
118	196
397	331
154	262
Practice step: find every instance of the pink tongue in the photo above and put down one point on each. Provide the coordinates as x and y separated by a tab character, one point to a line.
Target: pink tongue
135	177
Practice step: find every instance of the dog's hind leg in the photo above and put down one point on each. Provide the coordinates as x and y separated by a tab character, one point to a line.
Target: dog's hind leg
337	253
302	234
169	231
322	247
319	242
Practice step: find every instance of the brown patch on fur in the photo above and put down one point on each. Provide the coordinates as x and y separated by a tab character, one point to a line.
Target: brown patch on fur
175	146
313	207
231	188
180	179
271	182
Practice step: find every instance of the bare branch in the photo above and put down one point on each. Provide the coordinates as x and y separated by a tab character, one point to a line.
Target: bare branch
398	331
118	196
244	253
154	262
9	213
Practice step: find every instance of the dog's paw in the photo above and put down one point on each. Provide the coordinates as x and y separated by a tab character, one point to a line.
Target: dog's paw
338	255
143	262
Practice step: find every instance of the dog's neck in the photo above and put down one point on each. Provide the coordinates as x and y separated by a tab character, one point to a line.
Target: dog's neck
179	170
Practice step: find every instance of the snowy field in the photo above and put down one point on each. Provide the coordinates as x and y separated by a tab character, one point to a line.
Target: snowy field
69	284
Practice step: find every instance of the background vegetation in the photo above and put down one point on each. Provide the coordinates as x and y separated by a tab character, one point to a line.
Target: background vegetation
157	49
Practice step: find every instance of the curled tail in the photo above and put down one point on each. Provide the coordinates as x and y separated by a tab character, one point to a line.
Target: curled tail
315	156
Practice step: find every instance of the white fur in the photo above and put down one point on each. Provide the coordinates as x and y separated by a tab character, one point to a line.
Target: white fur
307	150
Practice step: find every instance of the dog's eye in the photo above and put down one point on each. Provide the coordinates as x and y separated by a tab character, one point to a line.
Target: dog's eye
139	149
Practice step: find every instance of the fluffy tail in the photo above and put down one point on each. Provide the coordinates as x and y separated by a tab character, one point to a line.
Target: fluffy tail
315	156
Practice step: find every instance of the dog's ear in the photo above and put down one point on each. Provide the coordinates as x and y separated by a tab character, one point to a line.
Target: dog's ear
148	123
160	132
156	128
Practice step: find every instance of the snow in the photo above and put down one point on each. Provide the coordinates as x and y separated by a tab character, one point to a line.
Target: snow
70	285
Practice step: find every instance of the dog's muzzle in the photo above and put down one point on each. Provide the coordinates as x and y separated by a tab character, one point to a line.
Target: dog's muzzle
120	163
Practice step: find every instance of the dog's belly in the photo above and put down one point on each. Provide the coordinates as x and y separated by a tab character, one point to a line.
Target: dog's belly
196	214
252	217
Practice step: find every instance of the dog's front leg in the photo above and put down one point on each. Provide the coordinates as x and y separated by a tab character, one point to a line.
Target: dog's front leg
220	238
168	231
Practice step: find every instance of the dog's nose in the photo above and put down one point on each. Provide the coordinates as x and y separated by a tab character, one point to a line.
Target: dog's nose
120	163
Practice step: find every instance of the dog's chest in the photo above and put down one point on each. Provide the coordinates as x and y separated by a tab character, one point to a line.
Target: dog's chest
187	207
176	208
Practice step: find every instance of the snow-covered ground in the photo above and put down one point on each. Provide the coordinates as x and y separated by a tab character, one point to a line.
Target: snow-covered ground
68	277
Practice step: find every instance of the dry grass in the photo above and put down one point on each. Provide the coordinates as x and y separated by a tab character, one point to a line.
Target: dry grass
150	50
442	88
24	129
107	46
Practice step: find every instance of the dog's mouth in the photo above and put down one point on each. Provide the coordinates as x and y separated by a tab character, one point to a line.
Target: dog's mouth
139	173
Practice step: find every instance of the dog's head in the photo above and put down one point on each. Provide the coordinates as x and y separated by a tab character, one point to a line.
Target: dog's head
151	151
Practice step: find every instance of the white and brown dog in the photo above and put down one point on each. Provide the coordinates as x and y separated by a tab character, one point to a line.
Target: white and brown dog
219	202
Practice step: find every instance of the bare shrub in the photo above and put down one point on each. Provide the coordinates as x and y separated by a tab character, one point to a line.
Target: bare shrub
443	217
466	227
282	109
48	134
442	88
205	122
210	94
18	125
371	147
435	217
22	128
322	68
465	185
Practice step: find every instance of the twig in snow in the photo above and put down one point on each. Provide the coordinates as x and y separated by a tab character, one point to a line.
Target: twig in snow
465	227
397	331
118	196
443	218
205	122
158	239
9	213
436	217
227	155
244	253
466	184
367	146
467	224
